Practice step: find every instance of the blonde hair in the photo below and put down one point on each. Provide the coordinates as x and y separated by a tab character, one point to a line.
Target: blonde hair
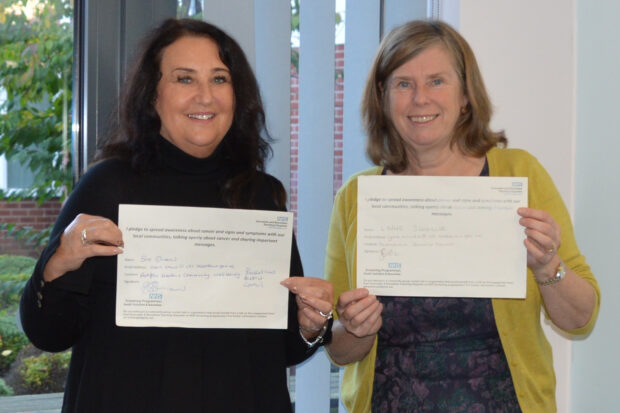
472	133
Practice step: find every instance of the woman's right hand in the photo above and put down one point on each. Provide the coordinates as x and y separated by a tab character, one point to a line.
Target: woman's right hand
355	330
359	312
86	236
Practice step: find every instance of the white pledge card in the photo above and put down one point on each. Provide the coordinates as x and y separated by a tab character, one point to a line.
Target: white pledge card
431	236
203	267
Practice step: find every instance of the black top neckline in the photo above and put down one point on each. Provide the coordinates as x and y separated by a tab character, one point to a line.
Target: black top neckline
173	157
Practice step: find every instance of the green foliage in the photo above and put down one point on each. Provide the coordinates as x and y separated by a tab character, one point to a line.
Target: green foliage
11	341
295	29
5	389
36	73
16	264
36	60
294	15
11	291
36	238
42	373
14	273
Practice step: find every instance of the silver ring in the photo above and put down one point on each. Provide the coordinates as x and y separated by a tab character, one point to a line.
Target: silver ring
83	237
328	315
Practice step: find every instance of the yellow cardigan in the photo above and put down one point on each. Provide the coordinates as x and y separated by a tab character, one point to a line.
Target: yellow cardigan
518	321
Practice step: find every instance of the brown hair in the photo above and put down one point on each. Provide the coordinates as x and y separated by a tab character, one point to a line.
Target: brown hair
472	133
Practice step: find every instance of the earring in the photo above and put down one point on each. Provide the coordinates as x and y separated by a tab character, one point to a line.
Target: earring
463	110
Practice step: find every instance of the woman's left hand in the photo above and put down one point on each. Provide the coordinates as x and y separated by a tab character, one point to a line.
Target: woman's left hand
571	302
315	300
542	242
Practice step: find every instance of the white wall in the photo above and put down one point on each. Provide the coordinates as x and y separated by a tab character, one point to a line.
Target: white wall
596	363
552	69
526	52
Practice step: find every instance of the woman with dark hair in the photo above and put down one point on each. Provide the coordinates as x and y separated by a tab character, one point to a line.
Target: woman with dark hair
190	130
140	123
426	112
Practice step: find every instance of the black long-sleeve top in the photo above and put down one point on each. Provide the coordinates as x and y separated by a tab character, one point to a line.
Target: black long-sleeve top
146	369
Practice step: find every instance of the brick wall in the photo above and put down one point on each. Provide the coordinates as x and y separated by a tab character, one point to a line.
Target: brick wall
25	213
294	141
338	127
338	116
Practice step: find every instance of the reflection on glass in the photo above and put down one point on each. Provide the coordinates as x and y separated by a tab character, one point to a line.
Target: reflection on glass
297	7
190	9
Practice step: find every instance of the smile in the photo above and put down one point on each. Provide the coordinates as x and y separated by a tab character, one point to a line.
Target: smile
422	119
200	116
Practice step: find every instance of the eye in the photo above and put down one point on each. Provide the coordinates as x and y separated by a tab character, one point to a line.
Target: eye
221	79
402	85
437	82
184	79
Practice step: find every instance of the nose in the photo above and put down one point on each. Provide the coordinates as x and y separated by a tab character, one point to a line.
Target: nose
420	95
204	93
